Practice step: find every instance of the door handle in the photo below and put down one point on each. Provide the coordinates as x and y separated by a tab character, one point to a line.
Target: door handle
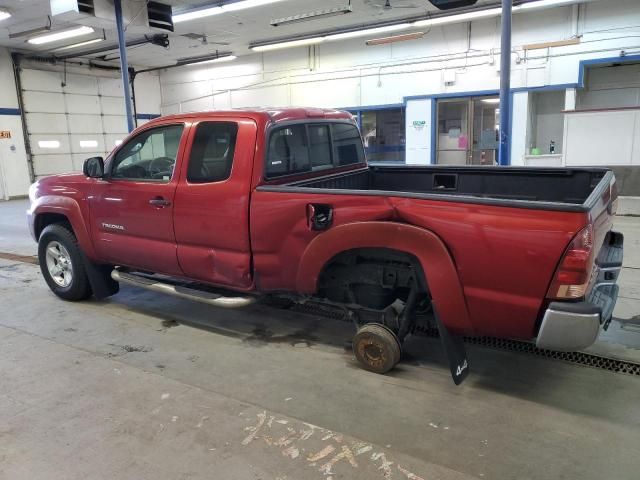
319	216
159	202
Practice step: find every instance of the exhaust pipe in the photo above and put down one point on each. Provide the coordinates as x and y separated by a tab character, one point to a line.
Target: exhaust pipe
182	292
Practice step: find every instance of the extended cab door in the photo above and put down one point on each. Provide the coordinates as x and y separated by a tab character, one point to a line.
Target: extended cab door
211	212
132	208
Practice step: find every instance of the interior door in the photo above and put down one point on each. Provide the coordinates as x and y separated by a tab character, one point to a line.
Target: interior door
132	208
212	203
453	132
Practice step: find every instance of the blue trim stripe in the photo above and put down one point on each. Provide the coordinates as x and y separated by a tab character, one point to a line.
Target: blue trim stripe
147	116
434	129
10	111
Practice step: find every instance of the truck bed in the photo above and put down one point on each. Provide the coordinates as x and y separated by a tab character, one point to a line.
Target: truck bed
566	189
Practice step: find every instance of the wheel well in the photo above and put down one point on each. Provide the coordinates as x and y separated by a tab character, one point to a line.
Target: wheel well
372	277
45	219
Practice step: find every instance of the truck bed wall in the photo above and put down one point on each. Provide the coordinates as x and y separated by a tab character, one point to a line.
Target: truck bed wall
568	186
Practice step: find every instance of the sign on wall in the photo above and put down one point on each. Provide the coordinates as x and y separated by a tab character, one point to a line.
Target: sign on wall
5	134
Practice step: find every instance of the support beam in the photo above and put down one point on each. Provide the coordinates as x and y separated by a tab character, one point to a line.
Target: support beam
505	84
124	66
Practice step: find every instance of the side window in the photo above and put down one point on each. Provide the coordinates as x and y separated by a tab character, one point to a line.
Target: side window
347	144
319	146
212	152
288	151
150	155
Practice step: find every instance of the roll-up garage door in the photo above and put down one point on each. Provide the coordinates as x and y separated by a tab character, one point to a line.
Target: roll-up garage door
70	117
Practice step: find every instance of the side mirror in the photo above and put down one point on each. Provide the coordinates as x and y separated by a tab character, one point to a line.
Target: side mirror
93	167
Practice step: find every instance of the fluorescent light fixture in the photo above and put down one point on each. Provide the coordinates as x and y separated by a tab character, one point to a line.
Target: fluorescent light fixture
81	44
4	15
117	142
396	38
48	144
226	58
491	100
233	7
542	4
88	143
31	31
305	17
368	31
63	35
461	17
217	10
292	43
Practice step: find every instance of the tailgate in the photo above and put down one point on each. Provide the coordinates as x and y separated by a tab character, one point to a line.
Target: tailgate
603	290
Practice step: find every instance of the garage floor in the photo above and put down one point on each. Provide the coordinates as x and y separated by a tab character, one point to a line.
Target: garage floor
148	386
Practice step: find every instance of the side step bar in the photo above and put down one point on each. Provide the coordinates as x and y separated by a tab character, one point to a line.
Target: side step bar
182	292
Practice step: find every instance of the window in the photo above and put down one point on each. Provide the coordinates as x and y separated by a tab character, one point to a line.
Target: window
303	148
319	146
347	144
150	155
288	151
383	133
212	152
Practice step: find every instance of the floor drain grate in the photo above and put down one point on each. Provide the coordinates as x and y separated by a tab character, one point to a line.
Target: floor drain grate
577	358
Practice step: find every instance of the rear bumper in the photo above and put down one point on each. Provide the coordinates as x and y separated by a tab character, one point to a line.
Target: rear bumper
570	326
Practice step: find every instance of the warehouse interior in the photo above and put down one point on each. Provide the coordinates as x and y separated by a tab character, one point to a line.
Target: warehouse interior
144	385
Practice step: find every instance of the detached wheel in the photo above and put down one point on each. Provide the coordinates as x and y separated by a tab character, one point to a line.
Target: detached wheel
61	263
377	348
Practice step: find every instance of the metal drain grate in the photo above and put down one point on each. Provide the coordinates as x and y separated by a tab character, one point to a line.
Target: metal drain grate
576	358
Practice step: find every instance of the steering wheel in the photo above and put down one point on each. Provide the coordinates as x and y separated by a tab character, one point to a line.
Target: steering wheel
160	165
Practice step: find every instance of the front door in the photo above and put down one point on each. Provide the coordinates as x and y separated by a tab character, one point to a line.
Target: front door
468	131
132	209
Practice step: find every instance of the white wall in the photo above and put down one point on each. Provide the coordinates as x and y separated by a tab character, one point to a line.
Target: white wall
14	171
350	74
418	132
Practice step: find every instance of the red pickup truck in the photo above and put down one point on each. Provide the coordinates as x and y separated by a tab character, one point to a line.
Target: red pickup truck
222	207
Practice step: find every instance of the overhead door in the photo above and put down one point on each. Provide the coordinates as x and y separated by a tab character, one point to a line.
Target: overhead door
70	117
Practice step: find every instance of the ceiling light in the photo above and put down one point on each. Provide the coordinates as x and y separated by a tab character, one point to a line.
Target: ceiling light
81	44
395	38
491	100
4	15
232	7
54	37
217	10
461	17
195	14
542	4
31	31
368	31
88	143
292	43
305	17
226	58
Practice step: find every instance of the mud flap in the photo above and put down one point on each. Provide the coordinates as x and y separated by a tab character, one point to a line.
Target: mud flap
454	350
102	284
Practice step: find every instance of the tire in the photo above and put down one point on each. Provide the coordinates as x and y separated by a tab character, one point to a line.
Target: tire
61	263
376	348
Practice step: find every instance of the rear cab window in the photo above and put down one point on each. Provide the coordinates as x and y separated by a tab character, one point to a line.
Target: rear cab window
309	147
212	152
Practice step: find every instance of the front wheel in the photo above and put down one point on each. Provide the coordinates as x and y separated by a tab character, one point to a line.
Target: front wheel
61	263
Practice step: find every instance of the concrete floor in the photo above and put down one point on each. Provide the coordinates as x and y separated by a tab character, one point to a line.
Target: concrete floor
148	386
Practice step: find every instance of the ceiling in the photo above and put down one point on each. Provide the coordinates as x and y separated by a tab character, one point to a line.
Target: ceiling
227	32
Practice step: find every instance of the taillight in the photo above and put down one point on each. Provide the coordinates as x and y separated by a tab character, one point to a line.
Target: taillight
574	272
